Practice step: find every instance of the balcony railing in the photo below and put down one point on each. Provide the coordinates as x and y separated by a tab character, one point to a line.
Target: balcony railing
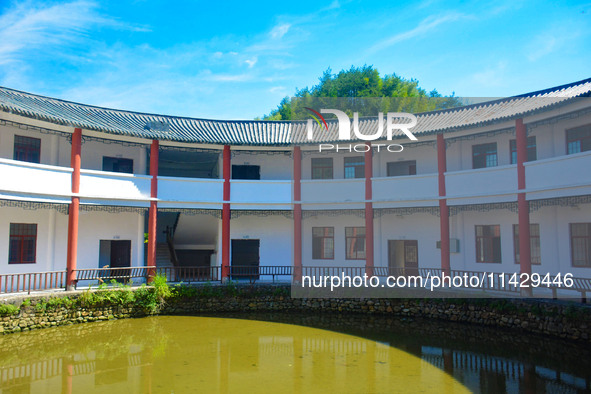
559	176
115	188
333	193
405	191
547	178
201	193
483	185
257	194
35	181
488	284
35	281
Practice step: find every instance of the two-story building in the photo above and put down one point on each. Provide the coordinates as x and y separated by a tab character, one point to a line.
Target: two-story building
81	186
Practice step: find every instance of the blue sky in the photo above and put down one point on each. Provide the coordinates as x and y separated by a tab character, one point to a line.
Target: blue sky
236	60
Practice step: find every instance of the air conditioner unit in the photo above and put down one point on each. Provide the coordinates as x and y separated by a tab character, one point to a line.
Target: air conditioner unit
454	245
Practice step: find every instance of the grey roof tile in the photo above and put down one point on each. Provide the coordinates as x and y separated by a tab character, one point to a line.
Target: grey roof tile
271	133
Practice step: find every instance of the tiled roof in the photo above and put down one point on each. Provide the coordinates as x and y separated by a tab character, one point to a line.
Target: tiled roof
269	133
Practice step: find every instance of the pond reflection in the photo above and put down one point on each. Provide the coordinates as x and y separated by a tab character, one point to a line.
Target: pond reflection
322	354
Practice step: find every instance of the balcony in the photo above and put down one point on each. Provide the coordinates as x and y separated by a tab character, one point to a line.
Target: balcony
405	191
558	176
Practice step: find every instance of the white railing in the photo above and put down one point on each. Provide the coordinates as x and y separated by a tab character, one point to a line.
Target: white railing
333	193
114	188
405	191
22	180
559	176
483	185
554	177
190	192
257	194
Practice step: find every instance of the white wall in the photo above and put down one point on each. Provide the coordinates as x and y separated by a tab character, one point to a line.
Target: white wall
94	151
51	144
96	226
339	223
275	233
422	227
425	156
275	166
51	239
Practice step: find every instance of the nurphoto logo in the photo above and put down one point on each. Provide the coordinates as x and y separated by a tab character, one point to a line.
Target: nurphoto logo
394	121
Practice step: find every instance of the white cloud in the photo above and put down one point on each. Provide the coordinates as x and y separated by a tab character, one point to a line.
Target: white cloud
278	89
28	29
251	62
279	31
490	77
425	26
551	41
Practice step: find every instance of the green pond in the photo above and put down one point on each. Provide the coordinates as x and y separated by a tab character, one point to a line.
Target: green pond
280	353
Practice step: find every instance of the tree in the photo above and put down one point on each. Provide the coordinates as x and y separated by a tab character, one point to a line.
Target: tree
392	93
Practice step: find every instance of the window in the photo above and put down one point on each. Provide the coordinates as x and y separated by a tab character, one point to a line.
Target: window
246	172
117	164
322	168
578	139
23	243
354	167
534	243
27	149
355	243
323	243
488	244
580	244
400	168
484	155
531	150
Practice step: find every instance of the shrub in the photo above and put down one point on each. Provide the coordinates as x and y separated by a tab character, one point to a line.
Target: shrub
8	310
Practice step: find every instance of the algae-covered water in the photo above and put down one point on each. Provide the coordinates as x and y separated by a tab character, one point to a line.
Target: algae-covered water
283	353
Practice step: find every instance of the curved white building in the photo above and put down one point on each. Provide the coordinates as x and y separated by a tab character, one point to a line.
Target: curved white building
81	185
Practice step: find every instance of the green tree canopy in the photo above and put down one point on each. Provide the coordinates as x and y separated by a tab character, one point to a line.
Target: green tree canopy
397	95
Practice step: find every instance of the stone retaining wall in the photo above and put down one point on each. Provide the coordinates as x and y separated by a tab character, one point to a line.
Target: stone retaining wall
564	320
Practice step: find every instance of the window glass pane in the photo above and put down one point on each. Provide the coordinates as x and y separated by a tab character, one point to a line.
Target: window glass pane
488	244
531	149
22	243
354	167
578	139
322	168
118	164
484	155
329	248
355	243
401	168
322	242
580	234
27	149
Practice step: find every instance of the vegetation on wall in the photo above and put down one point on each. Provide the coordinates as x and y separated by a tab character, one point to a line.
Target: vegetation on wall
150	298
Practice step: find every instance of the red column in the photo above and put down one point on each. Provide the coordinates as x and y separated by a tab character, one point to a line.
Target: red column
368	211
152	221
73	214
297	213
443	209
522	203
226	215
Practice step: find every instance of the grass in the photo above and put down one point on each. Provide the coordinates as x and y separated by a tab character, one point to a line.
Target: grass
8	310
